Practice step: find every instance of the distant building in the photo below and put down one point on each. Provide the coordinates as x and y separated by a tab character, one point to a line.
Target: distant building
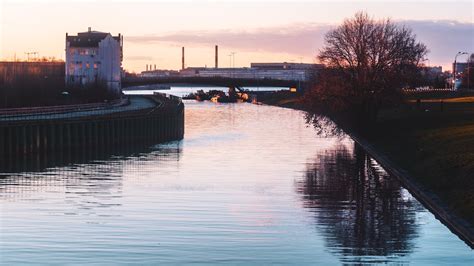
159	73
460	67
278	71
283	66
94	59
434	70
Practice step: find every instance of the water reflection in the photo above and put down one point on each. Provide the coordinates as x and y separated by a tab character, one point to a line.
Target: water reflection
224	194
40	162
362	212
90	179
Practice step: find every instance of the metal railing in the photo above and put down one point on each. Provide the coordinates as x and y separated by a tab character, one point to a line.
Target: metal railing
10	112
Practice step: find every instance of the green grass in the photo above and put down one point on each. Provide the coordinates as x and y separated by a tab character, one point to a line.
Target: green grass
436	146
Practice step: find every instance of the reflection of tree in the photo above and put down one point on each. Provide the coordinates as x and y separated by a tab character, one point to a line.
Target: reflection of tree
360	210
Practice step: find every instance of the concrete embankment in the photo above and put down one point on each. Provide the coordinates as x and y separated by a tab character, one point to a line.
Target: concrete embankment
143	119
431	201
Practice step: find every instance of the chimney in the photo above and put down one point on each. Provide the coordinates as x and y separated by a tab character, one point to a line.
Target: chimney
89	29
217	56
182	58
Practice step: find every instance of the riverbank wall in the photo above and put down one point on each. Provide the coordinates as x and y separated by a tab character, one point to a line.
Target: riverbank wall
431	201
44	134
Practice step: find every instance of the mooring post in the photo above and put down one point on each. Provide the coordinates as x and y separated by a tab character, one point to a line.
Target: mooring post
60	128
23	140
37	138
67	137
44	134
52	137
96	135
2	142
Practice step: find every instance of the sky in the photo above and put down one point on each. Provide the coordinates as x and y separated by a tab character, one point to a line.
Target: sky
256	31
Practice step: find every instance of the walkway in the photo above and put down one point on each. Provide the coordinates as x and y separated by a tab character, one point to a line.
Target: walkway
136	103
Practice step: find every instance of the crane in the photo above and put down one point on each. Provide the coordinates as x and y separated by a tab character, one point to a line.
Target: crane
30	53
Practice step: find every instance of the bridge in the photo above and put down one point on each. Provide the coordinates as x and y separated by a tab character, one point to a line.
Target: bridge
212	81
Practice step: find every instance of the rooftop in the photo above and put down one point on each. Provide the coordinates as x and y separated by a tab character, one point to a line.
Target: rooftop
89	38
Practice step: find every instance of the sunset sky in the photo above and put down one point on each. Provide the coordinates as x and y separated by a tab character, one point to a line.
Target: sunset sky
257	31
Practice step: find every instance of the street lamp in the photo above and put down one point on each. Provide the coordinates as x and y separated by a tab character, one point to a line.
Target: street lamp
454	68
469	65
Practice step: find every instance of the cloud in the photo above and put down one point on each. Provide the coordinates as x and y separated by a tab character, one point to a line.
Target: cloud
139	58
443	38
298	39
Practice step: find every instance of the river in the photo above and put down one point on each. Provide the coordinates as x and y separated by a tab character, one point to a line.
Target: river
249	184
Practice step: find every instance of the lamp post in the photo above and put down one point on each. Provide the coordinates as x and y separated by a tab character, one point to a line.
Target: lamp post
469	62
454	68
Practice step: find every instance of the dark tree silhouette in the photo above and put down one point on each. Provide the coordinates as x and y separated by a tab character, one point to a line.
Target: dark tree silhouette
368	63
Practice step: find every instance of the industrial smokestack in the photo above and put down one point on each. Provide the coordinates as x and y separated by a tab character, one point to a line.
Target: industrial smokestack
182	58
217	56
155	66
146	67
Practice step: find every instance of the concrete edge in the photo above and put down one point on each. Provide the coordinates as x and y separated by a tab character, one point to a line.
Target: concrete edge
457	225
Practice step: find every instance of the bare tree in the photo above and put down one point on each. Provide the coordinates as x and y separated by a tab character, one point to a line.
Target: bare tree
368	63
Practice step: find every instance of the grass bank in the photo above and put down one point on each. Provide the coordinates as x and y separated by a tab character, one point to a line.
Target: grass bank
432	140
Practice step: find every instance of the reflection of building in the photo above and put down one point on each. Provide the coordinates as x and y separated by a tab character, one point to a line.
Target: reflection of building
94	58
279	71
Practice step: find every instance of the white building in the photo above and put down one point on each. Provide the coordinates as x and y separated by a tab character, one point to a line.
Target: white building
279	71
94	59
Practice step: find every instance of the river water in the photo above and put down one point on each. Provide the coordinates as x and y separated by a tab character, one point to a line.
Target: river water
249	184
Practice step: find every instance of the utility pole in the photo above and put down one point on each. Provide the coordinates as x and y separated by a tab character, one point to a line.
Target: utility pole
233	59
